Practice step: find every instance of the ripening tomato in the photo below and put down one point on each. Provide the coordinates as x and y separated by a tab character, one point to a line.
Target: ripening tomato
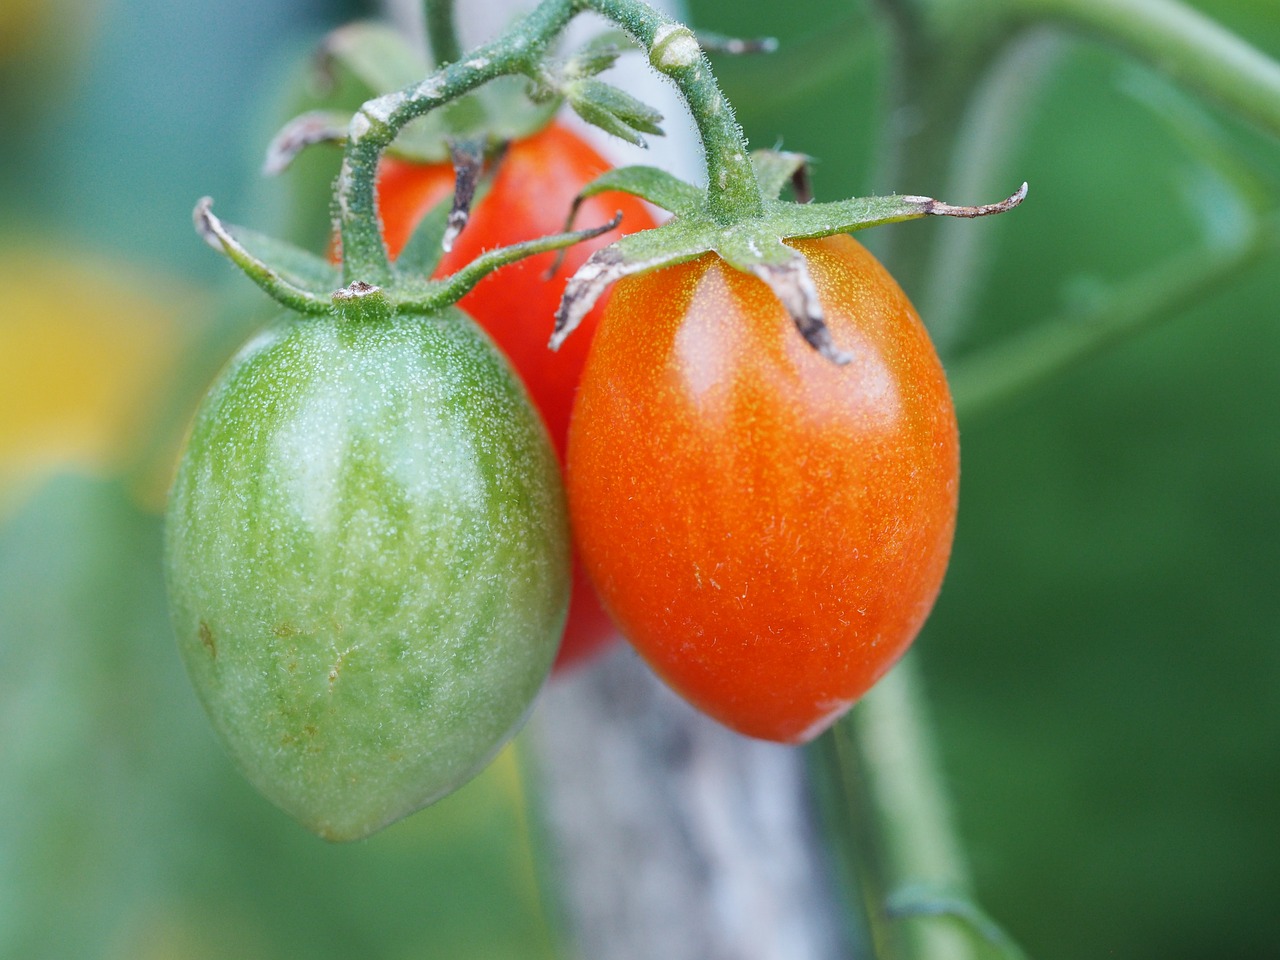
535	184
768	529
367	557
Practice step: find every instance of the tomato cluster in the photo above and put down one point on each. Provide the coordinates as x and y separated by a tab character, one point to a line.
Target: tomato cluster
369	557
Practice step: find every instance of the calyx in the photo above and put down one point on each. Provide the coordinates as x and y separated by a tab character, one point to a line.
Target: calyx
754	244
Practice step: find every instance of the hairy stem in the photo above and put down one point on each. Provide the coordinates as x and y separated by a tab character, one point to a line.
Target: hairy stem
674	52
376	124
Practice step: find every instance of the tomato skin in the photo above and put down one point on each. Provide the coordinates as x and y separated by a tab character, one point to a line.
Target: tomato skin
768	530
536	182
368	563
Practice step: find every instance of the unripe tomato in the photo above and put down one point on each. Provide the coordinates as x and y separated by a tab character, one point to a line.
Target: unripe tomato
768	529
368	562
535	185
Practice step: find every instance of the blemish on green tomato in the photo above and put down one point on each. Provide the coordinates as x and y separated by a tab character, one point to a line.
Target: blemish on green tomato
206	640
368	518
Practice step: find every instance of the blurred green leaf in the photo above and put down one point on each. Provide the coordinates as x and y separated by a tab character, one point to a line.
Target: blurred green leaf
125	833
377	54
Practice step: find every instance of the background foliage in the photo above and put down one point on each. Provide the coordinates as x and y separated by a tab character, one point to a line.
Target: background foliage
1102	663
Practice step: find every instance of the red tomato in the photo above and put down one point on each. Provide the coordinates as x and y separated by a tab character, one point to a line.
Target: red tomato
769	530
536	182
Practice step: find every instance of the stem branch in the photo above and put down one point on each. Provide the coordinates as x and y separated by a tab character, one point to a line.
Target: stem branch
1018	365
889	767
376	124
674	52
1182	43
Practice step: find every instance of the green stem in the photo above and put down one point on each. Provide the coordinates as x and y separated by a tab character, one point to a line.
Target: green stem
887	762
931	77
673	51
993	120
1180	42
442	34
376	124
1025	361
451	289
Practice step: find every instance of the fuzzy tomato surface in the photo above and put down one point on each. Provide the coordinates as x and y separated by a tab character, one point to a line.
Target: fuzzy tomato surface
769	530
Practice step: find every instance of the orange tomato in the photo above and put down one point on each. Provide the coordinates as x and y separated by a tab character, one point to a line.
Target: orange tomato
768	530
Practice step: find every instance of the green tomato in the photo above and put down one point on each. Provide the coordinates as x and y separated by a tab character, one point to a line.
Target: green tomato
368	563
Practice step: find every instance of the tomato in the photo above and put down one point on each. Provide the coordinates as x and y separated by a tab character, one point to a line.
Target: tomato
769	530
535	185
368	562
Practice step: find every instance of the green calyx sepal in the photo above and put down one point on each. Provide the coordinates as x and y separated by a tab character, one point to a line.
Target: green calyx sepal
613	110
574	80
307	284
753	244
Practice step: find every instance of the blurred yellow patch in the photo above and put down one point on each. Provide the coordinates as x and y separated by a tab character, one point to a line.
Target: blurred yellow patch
27	28
496	793
86	350
183	931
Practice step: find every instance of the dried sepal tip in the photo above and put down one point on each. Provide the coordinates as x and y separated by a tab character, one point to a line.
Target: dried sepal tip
793	286
937	208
